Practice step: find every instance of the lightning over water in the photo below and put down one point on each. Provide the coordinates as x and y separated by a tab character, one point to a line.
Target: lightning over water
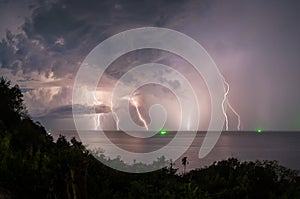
97	121
117	121
135	104
226	100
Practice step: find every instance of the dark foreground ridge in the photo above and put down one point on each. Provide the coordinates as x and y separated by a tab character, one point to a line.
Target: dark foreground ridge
32	165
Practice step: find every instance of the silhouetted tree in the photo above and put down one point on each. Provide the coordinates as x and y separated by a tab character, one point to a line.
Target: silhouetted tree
12	108
184	162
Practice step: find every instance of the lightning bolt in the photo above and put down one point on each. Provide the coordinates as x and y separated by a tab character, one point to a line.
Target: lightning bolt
117	121
238	126
97	121
97	117
223	104
135	104
96	101
225	100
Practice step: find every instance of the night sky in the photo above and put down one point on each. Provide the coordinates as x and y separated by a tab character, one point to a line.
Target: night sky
255	44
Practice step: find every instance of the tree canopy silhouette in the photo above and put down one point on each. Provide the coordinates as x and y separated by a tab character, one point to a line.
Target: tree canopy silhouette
12	108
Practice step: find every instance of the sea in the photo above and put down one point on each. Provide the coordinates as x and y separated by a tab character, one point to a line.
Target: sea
282	146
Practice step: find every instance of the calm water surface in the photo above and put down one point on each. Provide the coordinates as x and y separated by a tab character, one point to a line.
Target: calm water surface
281	146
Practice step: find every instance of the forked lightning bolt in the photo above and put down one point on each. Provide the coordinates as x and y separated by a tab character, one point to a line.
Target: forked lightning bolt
135	104
225	100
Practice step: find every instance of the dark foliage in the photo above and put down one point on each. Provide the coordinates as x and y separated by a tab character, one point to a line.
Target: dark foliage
32	165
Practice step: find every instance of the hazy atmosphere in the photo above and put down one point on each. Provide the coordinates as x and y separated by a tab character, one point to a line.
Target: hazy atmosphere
255	45
149	99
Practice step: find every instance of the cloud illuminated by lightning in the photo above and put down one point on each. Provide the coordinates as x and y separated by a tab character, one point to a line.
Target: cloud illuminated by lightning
96	101
225	101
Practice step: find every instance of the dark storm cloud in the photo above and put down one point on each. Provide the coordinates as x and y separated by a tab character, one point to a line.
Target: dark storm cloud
59	34
84	24
254	43
66	111
24	90
132	59
12	14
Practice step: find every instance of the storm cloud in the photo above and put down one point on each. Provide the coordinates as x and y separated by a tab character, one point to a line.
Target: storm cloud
254	43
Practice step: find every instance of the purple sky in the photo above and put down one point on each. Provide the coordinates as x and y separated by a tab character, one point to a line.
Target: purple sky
254	43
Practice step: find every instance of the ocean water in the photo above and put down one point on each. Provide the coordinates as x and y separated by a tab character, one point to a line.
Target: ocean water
283	147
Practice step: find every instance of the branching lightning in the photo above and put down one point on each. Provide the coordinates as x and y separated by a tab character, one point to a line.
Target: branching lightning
223	105
135	104
225	100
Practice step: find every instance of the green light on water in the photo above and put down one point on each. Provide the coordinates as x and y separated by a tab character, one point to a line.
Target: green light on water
163	132
259	130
